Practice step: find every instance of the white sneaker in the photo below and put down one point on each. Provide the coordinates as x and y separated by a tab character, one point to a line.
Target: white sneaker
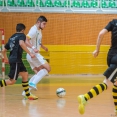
23	93
31	97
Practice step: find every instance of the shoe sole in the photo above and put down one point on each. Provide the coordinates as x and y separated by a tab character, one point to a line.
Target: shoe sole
81	107
29	98
32	98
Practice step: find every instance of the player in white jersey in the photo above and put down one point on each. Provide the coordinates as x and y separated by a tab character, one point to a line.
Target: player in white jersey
39	65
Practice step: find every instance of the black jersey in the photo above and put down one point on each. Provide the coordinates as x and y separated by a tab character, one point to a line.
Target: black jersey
112	26
14	47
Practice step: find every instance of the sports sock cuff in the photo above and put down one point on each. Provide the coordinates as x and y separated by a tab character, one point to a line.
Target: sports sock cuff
46	72
3	83
105	85
25	82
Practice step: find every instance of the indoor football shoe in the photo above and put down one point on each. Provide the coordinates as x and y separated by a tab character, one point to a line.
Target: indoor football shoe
31	97
82	102
115	111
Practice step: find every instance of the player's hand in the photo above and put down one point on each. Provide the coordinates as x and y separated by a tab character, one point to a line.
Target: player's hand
32	55
35	50
46	49
6	61
95	53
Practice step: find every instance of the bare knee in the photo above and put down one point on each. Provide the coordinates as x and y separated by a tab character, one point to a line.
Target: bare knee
24	76
48	69
46	66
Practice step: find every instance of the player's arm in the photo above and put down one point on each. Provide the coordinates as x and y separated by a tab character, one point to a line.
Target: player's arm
24	47
28	44
45	48
4	53
99	40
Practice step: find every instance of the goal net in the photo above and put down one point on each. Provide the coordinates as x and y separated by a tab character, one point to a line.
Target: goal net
2	65
71	39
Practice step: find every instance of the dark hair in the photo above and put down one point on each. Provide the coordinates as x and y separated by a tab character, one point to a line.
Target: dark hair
20	27
42	19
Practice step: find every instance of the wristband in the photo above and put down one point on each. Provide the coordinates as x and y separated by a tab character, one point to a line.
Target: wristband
33	47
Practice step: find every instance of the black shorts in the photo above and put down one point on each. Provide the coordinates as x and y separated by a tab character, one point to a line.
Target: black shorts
111	72
112	57
15	69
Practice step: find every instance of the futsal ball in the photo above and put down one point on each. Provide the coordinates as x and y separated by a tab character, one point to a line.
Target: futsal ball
60	92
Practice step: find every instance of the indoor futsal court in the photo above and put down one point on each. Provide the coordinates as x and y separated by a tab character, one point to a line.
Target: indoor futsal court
49	105
70	36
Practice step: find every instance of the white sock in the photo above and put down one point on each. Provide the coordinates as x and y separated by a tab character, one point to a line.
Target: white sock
32	78
40	75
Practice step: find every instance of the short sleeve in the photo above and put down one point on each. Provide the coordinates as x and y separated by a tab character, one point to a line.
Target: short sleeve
110	25
31	33
22	37
7	46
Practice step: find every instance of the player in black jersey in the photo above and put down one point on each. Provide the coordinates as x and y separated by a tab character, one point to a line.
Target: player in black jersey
16	45
110	73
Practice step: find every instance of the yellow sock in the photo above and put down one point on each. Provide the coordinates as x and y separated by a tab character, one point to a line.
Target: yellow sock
26	88
2	83
114	94
96	90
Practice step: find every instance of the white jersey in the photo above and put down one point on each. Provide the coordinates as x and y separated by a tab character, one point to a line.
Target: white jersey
35	36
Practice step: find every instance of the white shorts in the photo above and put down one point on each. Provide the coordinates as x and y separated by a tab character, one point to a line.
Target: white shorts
37	61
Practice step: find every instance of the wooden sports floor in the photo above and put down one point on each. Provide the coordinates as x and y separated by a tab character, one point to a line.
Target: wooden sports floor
12	103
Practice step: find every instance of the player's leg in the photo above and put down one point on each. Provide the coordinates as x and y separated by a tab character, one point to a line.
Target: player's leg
23	72
43	69
34	65
32	86
43	72
110	74
12	77
114	94
7	82
32	78
96	90
113	79
114	91
35	69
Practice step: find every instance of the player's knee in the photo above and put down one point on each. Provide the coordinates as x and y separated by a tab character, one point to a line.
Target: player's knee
48	69
25	76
